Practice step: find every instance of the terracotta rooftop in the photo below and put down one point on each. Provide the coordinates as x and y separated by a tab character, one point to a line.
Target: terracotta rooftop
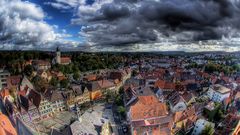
41	62
92	77
174	98
65	60
148	107
6	127
93	86
4	93
105	84
189	112
164	84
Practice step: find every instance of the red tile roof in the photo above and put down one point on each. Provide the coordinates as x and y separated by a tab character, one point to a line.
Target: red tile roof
164	85
65	60
6	127
105	84
4	93
92	77
148	107
41	62
182	115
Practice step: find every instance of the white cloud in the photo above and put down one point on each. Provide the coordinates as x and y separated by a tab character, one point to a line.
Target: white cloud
58	5
80	5
65	4
22	9
22	26
88	9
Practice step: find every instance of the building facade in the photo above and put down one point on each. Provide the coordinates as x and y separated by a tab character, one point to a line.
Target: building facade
200	125
4	74
218	93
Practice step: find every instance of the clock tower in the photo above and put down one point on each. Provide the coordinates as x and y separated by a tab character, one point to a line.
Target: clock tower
58	56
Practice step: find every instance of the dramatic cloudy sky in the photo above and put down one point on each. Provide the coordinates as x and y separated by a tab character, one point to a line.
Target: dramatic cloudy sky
120	25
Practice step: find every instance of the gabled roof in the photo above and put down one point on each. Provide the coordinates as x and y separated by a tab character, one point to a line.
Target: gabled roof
6	127
147	107
56	96
116	75
187	96
185	114
25	84
229	123
91	77
4	93
164	84
105	84
174	98
41	63
34	97
78	89
65	60
93	86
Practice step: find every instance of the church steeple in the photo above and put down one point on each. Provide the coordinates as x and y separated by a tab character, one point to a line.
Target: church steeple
57	50
58	56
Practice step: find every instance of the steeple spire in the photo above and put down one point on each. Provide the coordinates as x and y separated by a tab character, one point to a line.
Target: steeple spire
58	56
57	49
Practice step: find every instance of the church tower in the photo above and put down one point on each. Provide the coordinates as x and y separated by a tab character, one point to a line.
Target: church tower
58	56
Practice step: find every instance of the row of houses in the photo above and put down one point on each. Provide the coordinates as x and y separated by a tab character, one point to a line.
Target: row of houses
171	99
22	100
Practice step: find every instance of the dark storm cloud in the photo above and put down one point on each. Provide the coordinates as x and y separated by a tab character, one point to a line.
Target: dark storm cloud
148	21
111	12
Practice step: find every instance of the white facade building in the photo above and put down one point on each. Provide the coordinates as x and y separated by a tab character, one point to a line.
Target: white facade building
200	125
218	93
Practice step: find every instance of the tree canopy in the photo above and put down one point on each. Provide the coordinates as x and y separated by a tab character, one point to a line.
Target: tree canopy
208	130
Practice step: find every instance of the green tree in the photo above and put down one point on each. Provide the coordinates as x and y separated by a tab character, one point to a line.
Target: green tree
119	101
54	81
76	75
208	130
64	83
121	91
108	96
236	67
121	110
219	115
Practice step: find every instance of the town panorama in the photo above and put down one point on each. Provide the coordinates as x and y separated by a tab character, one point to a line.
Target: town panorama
119	67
